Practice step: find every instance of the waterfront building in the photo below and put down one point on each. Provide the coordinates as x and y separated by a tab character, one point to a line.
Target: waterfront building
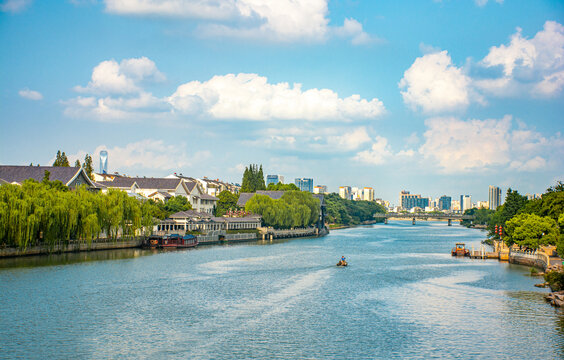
165	188
455	205
445	203
69	176
465	203
409	201
103	162
345	192
304	184
204	222
368	194
320	189
356	194
274	179
494	197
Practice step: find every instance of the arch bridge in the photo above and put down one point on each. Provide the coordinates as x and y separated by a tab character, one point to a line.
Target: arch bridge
423	216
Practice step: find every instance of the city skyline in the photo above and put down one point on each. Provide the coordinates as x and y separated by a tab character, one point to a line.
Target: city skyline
442	97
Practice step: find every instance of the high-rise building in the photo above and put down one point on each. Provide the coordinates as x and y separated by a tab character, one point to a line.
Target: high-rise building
345	192
445	202
465	202
103	162
274	179
320	189
368	194
304	184
409	201
483	205
494	197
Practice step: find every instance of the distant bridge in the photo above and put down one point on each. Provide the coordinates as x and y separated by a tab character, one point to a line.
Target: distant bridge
423	216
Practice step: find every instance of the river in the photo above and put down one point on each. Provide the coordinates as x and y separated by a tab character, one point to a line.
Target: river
403	296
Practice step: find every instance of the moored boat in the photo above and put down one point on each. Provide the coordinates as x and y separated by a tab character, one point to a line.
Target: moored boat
460	250
177	241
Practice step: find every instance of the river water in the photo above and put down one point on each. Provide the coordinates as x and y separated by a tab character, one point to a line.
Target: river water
403	296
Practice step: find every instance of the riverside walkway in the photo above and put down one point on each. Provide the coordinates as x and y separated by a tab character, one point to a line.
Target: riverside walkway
423	216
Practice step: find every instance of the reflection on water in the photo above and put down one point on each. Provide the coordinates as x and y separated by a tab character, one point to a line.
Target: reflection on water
72	258
403	296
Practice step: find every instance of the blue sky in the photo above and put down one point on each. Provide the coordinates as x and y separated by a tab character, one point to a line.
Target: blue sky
435	97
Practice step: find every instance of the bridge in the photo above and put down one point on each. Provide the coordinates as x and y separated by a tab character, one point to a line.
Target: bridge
423	216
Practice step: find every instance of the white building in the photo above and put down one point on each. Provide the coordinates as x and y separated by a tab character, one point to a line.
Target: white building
368	194
345	192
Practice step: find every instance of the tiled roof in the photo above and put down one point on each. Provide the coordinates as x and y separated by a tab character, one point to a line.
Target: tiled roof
19	174
144	183
208	197
190	214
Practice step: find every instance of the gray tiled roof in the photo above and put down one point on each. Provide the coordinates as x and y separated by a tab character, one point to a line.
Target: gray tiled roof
208	197
19	174
190	214
143	183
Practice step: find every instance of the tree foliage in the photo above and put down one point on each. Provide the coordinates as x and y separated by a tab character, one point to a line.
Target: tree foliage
282	187
531	231
348	212
47	213
88	166
253	179
481	216
61	159
176	204
514	203
293	209
227	201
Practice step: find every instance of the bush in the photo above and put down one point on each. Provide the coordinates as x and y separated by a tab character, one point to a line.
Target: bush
555	280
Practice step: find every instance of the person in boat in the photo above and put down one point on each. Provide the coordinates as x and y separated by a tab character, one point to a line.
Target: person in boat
343	258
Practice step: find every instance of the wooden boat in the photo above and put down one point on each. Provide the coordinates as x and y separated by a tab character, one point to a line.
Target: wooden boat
460	250
342	263
153	241
177	241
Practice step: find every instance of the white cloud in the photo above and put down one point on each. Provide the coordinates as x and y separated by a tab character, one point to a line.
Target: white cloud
123	78
535	66
350	140
482	3
476	145
434	84
281	20
251	97
30	94
14	6
378	154
110	109
148	154
353	29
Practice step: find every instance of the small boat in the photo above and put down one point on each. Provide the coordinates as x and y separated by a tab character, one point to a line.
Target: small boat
177	241
460	250
153	241
342	263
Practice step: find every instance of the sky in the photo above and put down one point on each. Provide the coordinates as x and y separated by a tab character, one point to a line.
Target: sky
434	97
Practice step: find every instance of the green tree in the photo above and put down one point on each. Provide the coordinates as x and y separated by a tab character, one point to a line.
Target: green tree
61	159
227	201
514	203
281	187
253	179
88	166
176	204
531	231
77	163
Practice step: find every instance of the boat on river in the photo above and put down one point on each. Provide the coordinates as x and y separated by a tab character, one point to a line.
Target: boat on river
342	263
173	241
460	250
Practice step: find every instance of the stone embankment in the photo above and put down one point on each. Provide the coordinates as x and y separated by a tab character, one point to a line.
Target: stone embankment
73	246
